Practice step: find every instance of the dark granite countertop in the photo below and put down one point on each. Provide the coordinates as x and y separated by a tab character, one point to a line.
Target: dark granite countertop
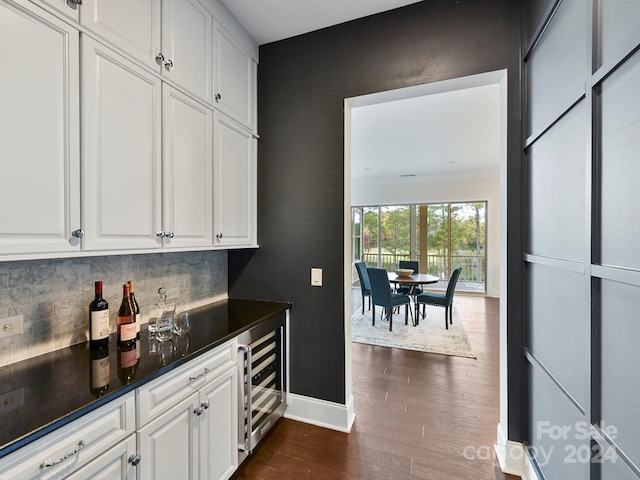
43	393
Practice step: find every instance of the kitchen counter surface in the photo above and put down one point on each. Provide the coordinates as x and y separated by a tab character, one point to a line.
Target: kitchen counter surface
43	393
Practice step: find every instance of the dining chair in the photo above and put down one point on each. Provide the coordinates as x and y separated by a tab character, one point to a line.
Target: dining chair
382	295
442	300
410	289
365	285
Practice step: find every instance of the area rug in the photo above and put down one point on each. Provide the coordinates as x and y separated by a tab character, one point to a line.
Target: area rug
429	336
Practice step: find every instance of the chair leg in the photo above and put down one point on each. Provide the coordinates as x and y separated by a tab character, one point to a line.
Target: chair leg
406	314
446	317
363	304
451	314
390	315
373	316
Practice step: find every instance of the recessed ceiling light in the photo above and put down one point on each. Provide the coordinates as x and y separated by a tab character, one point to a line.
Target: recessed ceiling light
408	175
451	162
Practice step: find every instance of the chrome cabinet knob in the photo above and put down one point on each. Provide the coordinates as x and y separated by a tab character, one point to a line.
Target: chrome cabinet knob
135	459
74	2
218	97
159	58
198	411
168	64
218	236
169	235
79	233
205	405
161	234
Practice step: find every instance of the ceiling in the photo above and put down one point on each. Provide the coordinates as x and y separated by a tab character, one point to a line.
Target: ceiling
427	137
271	20
451	130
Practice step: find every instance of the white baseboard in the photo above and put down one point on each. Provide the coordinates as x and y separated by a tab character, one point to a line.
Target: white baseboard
513	458
335	416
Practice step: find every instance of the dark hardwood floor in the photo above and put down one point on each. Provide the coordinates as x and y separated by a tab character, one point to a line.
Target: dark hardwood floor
418	416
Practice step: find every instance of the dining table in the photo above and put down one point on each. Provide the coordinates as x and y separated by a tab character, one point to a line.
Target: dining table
413	280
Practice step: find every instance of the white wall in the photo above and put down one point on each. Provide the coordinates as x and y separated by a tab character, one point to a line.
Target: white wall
444	189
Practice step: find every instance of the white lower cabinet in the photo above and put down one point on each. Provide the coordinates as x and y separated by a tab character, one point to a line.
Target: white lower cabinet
187	420
102	439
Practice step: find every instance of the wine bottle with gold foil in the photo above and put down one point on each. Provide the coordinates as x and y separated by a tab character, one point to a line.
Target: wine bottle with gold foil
99	320
126	319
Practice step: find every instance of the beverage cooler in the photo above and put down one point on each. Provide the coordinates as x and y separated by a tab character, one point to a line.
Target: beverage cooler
263	392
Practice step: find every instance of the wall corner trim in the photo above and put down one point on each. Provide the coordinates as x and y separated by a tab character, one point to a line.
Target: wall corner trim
322	413
512	457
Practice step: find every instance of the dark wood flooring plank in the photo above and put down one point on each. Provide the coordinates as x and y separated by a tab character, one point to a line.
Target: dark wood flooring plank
418	416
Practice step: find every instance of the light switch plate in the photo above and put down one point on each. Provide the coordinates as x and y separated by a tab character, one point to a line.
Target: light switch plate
11	326
316	277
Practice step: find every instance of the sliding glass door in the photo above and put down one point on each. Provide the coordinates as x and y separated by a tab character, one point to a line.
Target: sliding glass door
440	236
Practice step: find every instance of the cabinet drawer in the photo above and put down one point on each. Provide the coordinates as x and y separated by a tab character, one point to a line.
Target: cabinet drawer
163	393
64	451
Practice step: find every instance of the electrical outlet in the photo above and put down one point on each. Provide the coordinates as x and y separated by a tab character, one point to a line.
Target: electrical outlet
11	326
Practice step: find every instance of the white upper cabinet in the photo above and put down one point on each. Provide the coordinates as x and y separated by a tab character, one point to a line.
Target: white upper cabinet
234	79
39	132
173	37
121	151
187	171
234	174
131	26
187	46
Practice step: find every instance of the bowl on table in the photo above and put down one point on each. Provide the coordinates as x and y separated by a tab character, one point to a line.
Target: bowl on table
404	272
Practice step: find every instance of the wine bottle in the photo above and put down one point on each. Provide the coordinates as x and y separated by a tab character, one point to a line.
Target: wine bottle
126	318
136	307
100	373
98	320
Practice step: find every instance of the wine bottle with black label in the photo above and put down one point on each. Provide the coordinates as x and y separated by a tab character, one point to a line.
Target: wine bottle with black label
99	320
126	319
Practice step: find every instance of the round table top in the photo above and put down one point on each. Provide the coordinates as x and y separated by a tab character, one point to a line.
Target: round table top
415	279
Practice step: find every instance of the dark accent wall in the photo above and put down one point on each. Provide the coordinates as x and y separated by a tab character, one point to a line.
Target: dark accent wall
302	84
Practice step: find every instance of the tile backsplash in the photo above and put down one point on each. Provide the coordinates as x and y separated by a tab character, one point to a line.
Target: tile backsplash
54	295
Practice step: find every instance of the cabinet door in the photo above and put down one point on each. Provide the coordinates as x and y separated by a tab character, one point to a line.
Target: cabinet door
234	79
219	427
187	46
187	171
121	151
132	26
234	179
114	464
39	132
166	444
68	8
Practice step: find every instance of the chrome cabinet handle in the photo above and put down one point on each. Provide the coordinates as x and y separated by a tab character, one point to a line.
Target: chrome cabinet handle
46	464
218	236
198	411
168	64
170	235
159	58
205	404
218	97
161	234
79	233
205	371
135	459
